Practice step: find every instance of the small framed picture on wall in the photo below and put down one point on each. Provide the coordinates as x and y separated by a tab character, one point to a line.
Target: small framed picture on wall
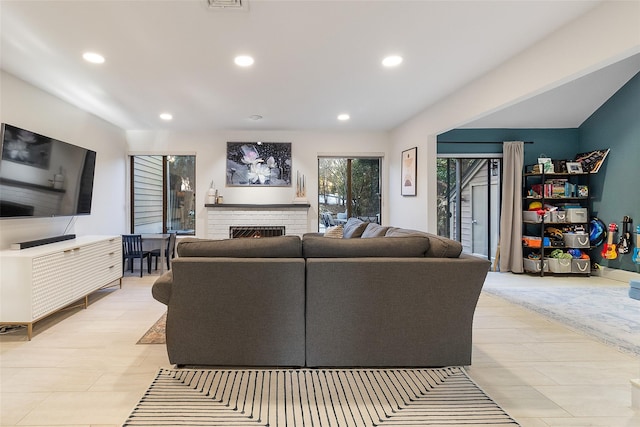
409	170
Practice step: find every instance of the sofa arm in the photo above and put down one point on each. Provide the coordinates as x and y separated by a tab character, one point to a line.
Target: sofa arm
161	289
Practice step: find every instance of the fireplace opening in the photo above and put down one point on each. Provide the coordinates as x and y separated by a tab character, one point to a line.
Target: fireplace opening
256	231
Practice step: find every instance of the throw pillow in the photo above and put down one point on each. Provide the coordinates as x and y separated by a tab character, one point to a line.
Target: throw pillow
354	228
374	230
334	232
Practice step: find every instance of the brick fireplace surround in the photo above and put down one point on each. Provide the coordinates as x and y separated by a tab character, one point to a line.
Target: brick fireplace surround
220	217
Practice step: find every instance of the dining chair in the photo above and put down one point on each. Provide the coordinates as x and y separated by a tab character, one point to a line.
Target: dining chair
132	249
169	252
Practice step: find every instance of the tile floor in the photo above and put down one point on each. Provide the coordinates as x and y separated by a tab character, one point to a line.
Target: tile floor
83	368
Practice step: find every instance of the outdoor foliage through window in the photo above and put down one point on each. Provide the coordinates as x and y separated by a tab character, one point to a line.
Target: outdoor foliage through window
163	194
349	187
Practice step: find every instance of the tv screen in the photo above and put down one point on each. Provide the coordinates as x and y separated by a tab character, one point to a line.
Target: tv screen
42	176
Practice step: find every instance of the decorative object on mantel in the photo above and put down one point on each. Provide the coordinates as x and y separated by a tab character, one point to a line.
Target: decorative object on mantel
265	164
409	170
212	194
301	189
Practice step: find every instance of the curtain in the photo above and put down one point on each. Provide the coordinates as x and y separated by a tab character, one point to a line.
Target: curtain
511	209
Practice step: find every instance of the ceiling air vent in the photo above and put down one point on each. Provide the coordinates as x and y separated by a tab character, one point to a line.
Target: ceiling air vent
228	4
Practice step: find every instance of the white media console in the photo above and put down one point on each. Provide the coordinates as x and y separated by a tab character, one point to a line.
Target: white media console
39	281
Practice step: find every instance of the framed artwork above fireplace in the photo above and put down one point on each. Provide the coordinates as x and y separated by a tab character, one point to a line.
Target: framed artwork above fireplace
261	164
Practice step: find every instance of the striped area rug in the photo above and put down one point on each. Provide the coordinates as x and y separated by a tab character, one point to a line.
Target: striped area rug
316	397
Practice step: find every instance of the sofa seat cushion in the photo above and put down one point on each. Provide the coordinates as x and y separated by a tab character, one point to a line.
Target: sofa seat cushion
322	247
440	247
354	228
374	230
266	247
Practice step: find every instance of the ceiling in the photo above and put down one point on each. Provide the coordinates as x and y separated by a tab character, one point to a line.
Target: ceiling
313	60
566	106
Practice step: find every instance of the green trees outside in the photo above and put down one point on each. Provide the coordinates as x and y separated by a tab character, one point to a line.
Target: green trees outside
163	194
349	185
445	173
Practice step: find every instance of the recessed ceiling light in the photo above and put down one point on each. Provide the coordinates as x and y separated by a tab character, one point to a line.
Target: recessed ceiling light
392	61
243	61
94	58
166	116
344	117
255	117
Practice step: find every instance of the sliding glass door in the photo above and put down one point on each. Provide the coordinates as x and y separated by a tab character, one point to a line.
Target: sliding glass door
348	187
469	202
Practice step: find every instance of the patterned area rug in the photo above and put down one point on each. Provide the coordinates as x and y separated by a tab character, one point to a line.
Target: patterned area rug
317	397
605	313
156	333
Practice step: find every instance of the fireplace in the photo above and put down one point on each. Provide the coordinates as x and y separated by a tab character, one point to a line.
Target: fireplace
256	231
292	218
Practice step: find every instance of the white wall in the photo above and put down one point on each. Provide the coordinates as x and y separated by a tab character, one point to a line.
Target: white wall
603	36
27	107
210	150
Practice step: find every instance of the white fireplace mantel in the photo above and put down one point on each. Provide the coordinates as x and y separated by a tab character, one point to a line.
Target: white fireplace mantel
220	217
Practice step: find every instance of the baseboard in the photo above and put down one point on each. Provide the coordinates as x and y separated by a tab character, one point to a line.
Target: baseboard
616	274
40	242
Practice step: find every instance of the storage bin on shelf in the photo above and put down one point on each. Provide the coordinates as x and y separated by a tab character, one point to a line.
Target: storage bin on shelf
559	265
558	216
579	215
535	265
581	265
532	216
576	240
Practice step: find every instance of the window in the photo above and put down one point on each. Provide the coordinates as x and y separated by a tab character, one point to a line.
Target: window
162	194
348	187
469	202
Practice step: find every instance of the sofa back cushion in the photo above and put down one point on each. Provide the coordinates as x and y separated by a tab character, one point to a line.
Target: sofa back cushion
440	247
266	247
322	247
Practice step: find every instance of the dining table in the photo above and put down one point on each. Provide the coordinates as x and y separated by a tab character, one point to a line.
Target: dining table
158	241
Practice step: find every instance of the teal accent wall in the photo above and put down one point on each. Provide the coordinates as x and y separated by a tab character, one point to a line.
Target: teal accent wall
616	187
555	143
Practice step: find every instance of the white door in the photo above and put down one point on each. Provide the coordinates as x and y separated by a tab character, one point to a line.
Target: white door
480	220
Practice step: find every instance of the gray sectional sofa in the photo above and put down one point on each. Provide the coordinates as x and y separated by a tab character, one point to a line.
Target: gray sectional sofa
379	297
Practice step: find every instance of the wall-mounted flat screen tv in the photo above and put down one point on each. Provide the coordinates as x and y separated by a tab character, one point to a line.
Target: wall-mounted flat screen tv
43	177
